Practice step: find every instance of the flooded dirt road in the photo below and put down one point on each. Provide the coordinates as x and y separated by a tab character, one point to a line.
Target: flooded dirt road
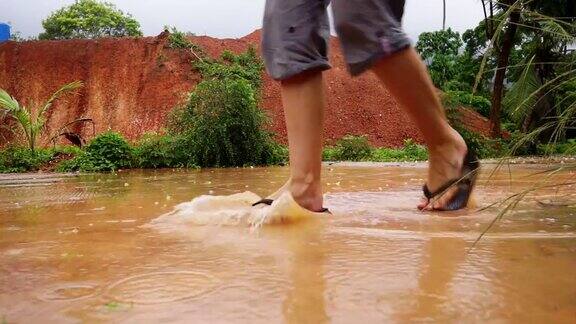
74	249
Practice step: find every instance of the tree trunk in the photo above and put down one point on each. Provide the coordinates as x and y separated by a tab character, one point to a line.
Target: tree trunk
444	17
503	58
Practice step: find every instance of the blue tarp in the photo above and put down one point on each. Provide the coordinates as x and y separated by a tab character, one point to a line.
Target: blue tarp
4	32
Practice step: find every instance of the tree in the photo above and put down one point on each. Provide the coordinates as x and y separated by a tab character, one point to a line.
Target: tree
31	119
89	19
440	51
503	57
540	66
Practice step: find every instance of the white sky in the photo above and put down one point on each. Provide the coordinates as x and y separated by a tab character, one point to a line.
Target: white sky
229	18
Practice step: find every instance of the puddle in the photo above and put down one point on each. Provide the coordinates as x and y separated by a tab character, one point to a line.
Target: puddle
110	248
161	287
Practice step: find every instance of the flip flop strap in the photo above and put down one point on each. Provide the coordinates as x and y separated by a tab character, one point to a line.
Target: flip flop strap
264	201
269	202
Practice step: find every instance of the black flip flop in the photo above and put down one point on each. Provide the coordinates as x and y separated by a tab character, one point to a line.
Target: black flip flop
269	202
464	184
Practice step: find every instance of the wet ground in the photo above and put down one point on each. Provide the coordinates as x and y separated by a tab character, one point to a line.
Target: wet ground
74	249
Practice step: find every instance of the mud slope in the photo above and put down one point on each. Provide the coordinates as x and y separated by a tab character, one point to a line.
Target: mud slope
132	84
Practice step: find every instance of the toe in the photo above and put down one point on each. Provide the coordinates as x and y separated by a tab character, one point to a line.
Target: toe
424	202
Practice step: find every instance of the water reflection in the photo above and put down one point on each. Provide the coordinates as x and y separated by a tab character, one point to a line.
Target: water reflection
305	301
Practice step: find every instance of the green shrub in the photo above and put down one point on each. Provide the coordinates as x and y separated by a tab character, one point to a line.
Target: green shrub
329	153
483	146
565	148
156	151
353	148
222	126
179	40
20	159
245	66
453	99
108	151
408	153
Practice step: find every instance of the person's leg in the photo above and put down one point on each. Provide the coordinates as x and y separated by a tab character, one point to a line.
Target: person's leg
372	38
295	49
406	77
303	101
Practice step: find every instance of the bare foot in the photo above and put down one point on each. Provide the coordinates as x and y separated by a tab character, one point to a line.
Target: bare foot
445	164
307	194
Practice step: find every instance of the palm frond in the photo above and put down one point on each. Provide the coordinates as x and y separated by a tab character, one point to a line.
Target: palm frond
558	33
7	102
518	99
67	88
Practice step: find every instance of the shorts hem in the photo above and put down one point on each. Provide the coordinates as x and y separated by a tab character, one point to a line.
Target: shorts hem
357	69
319	66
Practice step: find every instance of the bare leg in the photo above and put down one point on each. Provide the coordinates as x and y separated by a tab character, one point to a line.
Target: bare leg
303	100
406	77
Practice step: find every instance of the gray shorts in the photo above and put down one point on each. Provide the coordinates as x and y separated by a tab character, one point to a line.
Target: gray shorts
296	34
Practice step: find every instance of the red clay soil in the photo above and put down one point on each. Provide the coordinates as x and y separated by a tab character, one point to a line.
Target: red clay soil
132	84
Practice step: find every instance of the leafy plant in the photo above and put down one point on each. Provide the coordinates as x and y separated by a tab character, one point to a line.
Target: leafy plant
156	151
89	19
462	98
222	125
20	159
245	66
108	151
353	148
180	40
32	120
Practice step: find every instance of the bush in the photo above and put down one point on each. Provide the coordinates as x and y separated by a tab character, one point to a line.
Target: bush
453	99
20	159
156	151
179	40
245	66
353	148
108	151
566	148
409	152
222	126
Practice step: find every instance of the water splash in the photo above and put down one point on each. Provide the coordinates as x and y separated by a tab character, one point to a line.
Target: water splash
233	210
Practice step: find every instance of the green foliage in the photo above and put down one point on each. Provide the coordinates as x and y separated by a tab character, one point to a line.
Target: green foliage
450	69
222	125
353	148
466	99
20	159
32	120
566	148
179	40
244	66
157	151
411	152
106	152
89	19
483	146
357	148
442	42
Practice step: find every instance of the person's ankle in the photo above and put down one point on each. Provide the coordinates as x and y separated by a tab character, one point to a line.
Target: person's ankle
453	142
307	192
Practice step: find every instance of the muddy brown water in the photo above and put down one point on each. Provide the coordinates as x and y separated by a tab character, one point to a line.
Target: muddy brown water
73	249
